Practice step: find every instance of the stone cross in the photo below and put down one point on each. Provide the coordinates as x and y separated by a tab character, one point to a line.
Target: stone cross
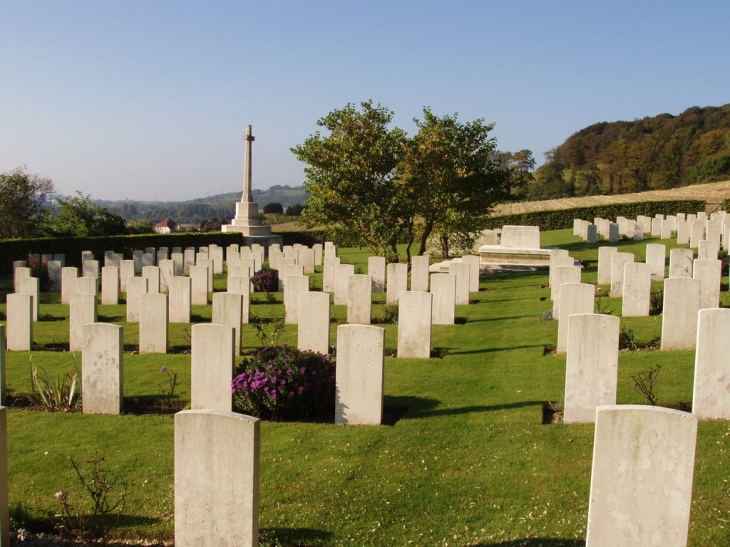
249	138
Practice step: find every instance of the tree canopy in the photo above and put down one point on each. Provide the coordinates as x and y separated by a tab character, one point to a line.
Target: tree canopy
79	216
22	200
375	186
652	153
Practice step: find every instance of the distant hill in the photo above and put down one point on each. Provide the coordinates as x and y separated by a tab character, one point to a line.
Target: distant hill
200	209
652	153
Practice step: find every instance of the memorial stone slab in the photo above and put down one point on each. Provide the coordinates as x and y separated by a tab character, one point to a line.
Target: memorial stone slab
591	369
359	374
102	368
641	480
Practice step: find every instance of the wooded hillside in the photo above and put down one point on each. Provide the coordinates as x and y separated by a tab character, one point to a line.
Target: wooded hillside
653	153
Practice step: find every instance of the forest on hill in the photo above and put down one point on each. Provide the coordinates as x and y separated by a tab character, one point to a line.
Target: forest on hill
653	153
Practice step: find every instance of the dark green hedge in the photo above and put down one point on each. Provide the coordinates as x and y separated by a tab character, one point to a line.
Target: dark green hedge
563	218
726	204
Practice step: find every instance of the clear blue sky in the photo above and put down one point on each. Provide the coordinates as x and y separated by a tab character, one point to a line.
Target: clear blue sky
148	99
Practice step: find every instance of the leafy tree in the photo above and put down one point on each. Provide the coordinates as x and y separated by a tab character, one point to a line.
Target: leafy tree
79	216
22	199
295	210
520	166
452	178
377	187
350	175
273	208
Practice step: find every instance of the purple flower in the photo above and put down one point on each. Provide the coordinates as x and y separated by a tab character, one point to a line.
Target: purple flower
163	369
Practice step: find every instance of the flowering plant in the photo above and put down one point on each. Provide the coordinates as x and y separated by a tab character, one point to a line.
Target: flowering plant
265	280
283	383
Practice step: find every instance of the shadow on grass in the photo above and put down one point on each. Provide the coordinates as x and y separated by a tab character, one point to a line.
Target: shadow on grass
423	407
489	350
500	318
293	536
535	542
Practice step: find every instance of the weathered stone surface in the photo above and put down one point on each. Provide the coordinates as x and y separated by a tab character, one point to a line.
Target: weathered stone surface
656	257
574	298
711	396
179	300
294	284
462	273
680	262
19	317
153	323
637	290
216	479
102	367
562	275
227	311
641	481
396	281
376	270
82	311
419	273
314	333
110	285
443	289
211	369
618	260
135	287
342	279
708	272
414	324
359	399
359	299
679	313
591	370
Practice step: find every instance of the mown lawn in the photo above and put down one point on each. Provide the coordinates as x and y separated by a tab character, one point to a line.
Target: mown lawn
464	460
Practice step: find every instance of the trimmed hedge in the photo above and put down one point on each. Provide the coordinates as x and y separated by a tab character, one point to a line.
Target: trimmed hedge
563	218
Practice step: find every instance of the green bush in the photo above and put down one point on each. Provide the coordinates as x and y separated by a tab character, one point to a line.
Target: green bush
283	383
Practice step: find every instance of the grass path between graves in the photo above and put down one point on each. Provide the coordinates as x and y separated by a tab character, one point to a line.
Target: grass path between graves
467	462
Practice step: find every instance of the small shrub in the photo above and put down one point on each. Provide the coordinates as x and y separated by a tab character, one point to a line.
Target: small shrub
168	389
601	304
724	263
645	383
547	315
268	336
627	340
389	315
283	383
266	280
656	302
91	524
62	393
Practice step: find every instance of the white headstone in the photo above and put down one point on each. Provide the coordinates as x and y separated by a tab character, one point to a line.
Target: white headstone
102	368
211	370
414	324
641	481
591	369
216	479
359	375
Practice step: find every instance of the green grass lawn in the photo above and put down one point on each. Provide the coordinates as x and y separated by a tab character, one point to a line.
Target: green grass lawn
465	461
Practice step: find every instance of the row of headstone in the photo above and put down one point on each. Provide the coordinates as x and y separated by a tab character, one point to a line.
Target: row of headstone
591	375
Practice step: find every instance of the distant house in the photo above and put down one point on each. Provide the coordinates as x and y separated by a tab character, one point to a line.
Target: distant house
166	226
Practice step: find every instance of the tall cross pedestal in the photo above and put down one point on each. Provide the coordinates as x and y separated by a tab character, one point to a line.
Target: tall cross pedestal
248	221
